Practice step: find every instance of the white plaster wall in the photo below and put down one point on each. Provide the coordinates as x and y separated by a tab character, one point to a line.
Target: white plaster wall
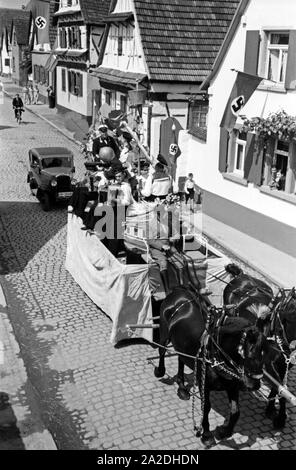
132	59
203	159
4	55
123	6
79	104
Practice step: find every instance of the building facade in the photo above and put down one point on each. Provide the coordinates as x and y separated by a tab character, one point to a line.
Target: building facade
19	37
7	15
155	57
237	169
80	29
41	42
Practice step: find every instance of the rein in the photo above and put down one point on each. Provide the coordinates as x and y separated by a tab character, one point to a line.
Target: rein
204	340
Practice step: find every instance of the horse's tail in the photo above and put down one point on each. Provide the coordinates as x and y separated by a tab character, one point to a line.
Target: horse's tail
233	269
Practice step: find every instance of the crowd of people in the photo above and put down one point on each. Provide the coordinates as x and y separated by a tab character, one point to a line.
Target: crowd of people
31	94
116	176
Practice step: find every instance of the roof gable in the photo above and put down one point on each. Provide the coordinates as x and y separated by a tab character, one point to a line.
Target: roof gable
21	25
181	38
6	17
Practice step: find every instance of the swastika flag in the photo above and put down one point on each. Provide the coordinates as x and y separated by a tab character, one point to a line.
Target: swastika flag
243	88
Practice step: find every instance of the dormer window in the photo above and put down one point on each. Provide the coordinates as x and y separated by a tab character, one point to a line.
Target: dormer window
68	3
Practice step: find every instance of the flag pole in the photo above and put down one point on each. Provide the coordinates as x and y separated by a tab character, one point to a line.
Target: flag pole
239	71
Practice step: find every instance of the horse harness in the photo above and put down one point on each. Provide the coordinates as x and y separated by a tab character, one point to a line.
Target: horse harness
207	336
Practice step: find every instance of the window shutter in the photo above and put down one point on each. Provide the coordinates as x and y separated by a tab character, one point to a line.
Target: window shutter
69	81
249	156
73	82
63	80
252	52
64	38
80	84
223	150
79	38
290	82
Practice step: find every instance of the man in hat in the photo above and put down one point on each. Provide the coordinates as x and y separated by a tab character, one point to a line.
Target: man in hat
104	140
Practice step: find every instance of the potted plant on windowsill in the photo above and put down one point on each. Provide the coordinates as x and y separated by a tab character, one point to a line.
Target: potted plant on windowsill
278	125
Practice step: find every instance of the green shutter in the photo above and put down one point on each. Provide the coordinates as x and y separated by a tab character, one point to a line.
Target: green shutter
63	80
249	156
254	160
252	52
223	150
290	82
80	82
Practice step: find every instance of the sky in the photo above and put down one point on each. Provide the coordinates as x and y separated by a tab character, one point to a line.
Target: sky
13	3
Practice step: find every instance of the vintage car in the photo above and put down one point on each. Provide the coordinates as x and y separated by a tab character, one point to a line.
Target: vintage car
51	174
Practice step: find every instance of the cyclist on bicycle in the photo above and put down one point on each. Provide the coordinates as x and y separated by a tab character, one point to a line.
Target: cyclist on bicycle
17	104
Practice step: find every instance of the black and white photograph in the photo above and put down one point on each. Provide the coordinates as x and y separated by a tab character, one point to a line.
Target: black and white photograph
148	229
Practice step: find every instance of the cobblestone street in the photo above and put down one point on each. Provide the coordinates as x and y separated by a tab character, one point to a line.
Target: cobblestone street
91	394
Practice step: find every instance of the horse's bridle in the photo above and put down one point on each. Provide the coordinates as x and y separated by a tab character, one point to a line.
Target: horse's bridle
275	315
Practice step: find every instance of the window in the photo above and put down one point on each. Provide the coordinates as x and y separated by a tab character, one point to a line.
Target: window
123	103
13	64
75	83
63	80
36	73
63	38
40	74
6	62
279	166
198	112
277	54
77	38
240	152
120	46
35	160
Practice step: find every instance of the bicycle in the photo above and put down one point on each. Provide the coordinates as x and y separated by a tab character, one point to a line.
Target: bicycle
18	115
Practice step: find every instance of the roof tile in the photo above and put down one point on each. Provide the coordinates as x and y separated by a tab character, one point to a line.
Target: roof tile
181	38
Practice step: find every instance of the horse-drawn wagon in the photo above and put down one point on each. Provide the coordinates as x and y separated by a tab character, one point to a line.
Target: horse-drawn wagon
224	352
125	288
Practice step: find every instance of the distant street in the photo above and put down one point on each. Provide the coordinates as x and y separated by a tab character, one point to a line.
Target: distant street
91	394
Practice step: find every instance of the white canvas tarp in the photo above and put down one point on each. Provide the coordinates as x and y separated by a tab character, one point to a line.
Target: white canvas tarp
121	291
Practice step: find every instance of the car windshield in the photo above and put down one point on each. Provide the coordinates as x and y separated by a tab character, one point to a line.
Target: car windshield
56	162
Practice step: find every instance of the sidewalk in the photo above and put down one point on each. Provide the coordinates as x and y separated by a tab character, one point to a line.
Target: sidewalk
21	427
276	265
50	115
279	267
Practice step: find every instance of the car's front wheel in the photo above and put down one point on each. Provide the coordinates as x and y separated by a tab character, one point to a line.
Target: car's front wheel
45	202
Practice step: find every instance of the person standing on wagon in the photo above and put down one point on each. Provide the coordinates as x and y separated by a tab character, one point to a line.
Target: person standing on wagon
189	190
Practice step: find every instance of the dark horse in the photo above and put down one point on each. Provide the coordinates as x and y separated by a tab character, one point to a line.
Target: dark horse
229	358
276	317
